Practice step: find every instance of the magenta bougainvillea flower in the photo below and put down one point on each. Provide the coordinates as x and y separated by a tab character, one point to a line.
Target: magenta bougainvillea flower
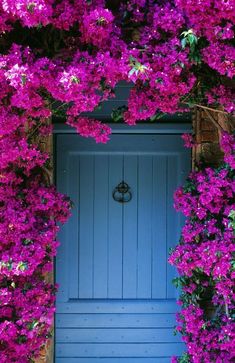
65	58
205	261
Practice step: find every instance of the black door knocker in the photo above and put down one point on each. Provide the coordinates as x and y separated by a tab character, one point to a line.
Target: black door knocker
122	193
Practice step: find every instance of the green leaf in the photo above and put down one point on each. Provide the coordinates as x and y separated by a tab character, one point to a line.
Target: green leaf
157	116
27	242
233	265
132	71
232	218
23	79
192	39
22	339
30	7
32	325
22	266
184	359
117	113
189	38
159	80
74	79
8	264
136	66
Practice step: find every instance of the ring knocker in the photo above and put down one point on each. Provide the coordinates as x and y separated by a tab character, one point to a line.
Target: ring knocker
122	193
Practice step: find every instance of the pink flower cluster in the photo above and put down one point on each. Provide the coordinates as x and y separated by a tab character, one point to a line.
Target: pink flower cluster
218	15
97	27
69	62
228	146
220	57
207	341
222	95
30	13
91	128
29	213
205	260
100	48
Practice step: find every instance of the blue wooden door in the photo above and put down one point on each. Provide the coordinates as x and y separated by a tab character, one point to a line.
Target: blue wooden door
116	302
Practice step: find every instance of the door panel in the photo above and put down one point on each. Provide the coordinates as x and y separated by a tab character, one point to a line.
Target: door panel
116	299
115	223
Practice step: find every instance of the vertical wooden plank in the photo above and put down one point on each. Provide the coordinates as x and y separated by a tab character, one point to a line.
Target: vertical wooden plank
115	230
144	254
159	215
100	226
86	232
72	240
172	218
130	229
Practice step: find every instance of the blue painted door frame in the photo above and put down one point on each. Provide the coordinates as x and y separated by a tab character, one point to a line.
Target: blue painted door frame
116	302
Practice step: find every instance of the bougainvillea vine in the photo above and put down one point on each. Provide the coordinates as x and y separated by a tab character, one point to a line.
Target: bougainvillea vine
205	259
29	213
65	58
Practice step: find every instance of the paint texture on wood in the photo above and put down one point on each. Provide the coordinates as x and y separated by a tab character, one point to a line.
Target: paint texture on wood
116	299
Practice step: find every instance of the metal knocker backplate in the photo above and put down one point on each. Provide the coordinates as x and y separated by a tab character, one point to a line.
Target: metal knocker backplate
122	193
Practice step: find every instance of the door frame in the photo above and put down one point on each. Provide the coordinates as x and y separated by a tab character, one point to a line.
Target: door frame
140	128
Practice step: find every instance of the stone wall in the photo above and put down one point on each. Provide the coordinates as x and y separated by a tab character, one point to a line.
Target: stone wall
207	128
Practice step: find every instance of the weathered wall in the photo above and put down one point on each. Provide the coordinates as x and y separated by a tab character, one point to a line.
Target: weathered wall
207	128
